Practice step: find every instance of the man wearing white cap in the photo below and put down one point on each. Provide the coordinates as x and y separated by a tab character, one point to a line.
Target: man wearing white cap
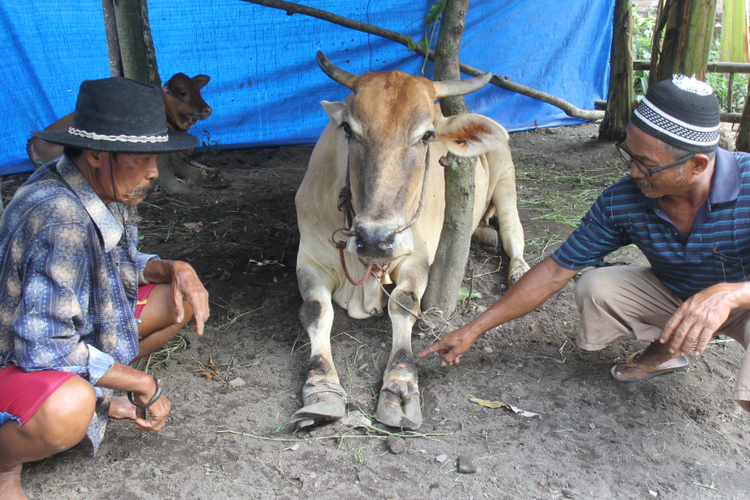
686	206
78	301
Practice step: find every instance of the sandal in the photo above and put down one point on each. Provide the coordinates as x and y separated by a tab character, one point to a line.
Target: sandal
671	365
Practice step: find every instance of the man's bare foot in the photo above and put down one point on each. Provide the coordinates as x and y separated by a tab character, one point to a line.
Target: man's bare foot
10	484
120	408
653	356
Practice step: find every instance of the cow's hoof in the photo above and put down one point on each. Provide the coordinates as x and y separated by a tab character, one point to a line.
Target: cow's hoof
513	278
395	411
518	268
323	401
487	238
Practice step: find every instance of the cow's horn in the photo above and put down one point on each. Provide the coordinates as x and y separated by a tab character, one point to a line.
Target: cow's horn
336	74
460	87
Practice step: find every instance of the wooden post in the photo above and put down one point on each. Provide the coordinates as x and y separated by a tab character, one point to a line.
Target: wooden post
113	43
447	270
620	98
743	132
129	42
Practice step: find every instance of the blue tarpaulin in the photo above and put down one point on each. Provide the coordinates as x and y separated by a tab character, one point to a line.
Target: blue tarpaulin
265	85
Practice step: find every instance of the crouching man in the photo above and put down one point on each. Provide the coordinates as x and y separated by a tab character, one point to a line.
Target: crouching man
78	301
686	206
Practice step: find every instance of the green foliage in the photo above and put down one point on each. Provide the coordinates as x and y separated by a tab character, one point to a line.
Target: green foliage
643	29
431	22
463	292
720	81
434	14
211	147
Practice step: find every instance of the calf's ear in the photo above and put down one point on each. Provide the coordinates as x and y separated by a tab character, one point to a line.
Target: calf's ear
201	80
469	134
335	110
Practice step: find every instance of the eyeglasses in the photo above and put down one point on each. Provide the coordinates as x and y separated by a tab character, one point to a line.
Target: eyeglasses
648	172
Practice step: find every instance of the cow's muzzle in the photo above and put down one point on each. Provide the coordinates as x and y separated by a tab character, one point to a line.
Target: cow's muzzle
377	244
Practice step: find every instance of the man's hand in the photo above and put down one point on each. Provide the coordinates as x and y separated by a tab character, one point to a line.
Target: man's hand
144	387
158	411
531	291
452	346
699	317
186	286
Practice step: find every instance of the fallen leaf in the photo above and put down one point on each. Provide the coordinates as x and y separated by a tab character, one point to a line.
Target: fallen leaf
498	404
194	226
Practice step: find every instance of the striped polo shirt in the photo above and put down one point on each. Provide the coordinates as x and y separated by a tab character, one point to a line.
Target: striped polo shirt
717	250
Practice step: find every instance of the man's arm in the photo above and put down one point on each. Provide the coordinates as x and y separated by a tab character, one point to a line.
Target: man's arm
185	286
699	317
531	291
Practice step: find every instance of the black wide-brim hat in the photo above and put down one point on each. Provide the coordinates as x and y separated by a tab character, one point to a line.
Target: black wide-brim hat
119	115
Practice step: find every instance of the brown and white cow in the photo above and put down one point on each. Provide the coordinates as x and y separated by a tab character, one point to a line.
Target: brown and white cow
380	137
182	100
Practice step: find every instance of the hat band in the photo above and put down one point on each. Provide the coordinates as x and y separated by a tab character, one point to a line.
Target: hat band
675	128
119	138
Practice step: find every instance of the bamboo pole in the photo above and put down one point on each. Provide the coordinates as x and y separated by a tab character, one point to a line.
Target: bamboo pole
621	95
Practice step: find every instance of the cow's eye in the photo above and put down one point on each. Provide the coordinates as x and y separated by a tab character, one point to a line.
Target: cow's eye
428	136
347	129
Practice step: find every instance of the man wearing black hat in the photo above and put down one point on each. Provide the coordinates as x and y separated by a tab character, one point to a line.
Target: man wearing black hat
686	206
78	301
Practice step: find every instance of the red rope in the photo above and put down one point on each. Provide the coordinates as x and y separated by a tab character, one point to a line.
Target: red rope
341	245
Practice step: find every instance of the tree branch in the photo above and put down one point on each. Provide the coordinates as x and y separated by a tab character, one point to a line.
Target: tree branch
504	83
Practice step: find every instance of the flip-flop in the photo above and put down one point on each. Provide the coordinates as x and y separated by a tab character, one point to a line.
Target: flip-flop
671	365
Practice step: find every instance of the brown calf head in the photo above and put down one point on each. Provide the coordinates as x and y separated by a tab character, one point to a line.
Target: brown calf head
389	122
183	100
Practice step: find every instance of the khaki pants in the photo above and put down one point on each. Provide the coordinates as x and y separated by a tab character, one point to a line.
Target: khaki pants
629	302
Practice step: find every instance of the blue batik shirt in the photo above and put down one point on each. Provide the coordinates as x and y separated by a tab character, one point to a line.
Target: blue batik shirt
716	251
69	276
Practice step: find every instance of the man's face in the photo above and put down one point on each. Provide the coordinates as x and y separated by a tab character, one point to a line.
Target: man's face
651	152
131	176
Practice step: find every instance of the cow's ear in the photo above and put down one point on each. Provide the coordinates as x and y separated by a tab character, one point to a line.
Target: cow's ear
469	134
335	110
201	80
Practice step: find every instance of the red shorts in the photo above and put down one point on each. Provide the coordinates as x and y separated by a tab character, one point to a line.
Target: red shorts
143	293
22	394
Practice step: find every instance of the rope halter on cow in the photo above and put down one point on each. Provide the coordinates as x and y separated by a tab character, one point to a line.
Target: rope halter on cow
347	218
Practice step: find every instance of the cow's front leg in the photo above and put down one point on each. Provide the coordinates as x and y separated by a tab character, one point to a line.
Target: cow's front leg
398	403
322	394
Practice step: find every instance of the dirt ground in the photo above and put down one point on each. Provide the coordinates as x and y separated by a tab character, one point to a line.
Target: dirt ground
674	437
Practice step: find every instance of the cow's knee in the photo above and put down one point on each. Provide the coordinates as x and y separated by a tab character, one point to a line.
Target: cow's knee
404	303
310	312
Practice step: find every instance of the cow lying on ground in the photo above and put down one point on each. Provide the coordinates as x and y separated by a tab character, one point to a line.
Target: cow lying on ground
182	98
378	146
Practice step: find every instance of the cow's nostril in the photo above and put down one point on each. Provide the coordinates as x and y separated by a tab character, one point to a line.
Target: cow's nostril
360	244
